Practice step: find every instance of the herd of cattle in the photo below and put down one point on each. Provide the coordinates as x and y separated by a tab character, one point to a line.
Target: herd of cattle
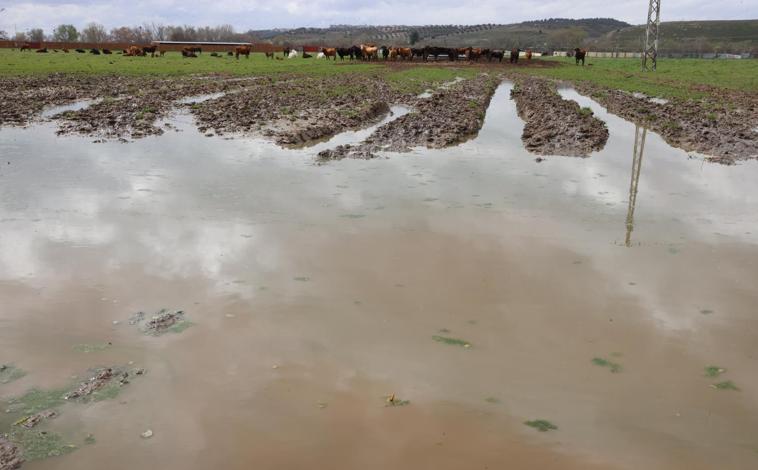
367	52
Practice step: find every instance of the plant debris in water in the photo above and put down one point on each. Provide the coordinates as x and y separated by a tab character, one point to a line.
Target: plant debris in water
9	373
714	371
541	425
162	322
726	385
392	400
452	341
613	366
30	421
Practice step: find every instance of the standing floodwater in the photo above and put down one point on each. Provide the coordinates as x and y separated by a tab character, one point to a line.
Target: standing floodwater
408	312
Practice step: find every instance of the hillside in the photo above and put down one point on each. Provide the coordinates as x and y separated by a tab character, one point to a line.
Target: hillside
556	33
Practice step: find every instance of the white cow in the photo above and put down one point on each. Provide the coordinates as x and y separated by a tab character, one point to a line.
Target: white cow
293	54
320	55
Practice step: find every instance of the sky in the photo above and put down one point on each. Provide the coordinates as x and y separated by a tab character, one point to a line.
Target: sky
21	15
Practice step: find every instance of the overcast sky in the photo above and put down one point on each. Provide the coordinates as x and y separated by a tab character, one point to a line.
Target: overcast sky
259	14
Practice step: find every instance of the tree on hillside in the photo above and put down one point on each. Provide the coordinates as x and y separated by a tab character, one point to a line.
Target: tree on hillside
3	35
413	38
36	35
94	32
566	38
65	33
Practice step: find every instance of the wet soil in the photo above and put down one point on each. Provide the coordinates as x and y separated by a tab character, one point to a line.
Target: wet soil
101	379
10	455
300	110
449	116
555	126
721	126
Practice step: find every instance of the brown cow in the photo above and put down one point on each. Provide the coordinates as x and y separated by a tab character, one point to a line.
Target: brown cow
242	50
189	53
269	55
528	54
473	53
328	52
579	55
134	51
405	53
369	51
25	47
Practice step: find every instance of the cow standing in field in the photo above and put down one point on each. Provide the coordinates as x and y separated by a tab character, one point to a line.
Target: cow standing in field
579	55
496	54
242	50
369	51
514	55
149	50
528	54
25	47
344	52
328	52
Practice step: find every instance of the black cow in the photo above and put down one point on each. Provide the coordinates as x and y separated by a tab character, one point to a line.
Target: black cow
579	55
496	54
514	55
94	51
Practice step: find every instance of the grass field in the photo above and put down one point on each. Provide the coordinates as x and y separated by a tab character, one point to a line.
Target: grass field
682	78
674	77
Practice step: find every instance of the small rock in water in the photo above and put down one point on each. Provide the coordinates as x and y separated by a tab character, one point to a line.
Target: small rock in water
116	322
147	434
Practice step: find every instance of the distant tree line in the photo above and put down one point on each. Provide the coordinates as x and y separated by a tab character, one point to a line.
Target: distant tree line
96	32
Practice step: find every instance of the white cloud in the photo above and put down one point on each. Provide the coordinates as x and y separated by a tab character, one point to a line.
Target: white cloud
245	14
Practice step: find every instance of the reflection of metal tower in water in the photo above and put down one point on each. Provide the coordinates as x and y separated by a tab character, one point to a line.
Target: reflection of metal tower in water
651	36
639	148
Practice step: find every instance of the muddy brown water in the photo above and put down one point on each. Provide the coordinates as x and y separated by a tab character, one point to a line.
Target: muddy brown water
315	292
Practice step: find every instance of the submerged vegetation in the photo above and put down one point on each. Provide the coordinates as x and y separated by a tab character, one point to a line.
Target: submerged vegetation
541	425
36	444
714	371
9	373
451	341
726	385
602	362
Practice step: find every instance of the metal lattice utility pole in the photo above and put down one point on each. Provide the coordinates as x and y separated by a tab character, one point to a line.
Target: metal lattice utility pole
650	54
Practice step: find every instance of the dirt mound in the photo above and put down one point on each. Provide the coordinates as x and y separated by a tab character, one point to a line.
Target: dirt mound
723	128
101	379
296	111
450	116
10	455
555	126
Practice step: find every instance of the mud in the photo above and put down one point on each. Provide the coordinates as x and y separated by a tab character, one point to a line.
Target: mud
450	116
555	126
163	321
33	420
720	126
101	379
10	455
296	111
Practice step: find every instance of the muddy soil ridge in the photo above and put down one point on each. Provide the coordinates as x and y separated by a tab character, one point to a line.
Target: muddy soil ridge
299	110
724	129
10	455
555	126
450	116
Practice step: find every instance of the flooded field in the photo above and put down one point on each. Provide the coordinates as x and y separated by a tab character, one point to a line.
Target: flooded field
405	312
